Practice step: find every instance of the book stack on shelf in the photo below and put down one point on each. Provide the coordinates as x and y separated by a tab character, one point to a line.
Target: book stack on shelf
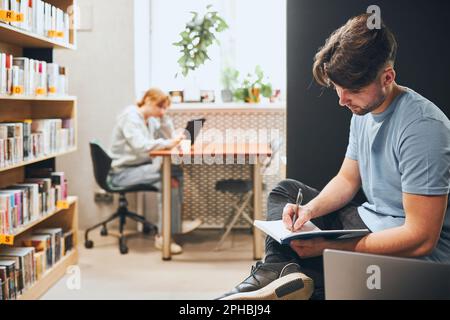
38	251
30	77
33	139
38	122
30	201
21	267
36	16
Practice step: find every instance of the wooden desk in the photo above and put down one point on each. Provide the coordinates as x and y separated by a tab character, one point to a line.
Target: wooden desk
248	151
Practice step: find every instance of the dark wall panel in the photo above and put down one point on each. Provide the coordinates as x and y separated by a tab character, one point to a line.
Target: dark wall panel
317	126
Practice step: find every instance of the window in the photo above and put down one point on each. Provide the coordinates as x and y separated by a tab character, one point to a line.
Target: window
257	36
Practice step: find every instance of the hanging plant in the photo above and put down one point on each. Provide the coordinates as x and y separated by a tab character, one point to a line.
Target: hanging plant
197	37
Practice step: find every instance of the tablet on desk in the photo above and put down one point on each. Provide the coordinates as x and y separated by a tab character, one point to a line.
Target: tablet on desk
193	127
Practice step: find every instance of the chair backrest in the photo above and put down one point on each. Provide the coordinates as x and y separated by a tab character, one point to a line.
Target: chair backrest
101	162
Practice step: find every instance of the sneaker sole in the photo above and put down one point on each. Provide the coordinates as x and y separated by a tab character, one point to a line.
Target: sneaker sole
192	228
172	252
294	286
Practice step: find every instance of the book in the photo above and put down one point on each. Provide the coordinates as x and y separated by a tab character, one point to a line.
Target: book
8	279
25	264
278	231
67	243
56	235
41	244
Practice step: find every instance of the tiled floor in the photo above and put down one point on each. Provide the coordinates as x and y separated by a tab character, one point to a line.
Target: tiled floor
199	273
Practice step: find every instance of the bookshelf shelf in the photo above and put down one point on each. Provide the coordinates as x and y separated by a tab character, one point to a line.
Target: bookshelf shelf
25	98
21	43
25	39
71	201
50	277
26	163
62	217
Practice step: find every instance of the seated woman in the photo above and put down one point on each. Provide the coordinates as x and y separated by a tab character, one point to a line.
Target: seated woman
140	129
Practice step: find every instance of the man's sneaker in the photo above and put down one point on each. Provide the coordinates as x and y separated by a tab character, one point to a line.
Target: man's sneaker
174	247
273	281
191	225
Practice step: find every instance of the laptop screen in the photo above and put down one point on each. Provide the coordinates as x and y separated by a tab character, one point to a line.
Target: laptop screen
361	276
194	127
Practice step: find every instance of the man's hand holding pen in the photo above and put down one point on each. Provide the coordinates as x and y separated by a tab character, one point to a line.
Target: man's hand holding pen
294	218
295	215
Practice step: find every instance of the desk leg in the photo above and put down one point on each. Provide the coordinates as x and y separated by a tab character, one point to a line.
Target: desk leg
258	245
166	218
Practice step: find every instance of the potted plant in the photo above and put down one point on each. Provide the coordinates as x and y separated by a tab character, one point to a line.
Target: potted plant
197	37
253	87
229	81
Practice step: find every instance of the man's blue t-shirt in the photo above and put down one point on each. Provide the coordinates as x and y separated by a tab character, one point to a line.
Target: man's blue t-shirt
406	148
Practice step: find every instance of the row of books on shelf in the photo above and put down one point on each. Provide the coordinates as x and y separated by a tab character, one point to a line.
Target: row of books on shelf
33	139
22	266
27	202
38	17
28	77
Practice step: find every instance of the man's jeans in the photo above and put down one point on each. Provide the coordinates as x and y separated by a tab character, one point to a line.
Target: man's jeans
345	218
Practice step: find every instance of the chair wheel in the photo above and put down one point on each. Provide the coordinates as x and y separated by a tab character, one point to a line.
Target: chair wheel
123	249
148	228
104	231
122	246
89	244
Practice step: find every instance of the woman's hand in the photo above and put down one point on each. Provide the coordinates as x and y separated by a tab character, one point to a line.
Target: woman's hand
174	142
182	136
301	215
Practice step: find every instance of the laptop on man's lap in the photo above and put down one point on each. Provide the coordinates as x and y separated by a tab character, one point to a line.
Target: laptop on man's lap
359	276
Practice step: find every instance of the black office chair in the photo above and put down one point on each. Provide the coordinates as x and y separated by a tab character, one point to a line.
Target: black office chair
102	164
243	189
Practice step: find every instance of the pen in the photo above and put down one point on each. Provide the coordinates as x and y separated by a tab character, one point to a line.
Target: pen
298	202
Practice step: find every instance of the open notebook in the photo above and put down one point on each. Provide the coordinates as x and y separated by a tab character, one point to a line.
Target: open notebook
278	231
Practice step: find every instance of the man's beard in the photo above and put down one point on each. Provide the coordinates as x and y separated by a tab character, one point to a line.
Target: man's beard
371	107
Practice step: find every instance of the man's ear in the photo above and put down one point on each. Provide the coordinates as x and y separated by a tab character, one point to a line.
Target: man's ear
388	76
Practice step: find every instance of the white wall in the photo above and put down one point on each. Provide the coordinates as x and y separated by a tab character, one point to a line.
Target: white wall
101	74
142	51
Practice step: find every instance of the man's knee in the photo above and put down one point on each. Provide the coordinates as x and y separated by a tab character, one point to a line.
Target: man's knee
290	183
287	186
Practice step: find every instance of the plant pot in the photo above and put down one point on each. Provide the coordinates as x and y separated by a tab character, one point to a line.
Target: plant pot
227	95
254	95
191	91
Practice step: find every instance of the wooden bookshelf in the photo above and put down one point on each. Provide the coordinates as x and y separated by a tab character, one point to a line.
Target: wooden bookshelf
29	226
26	163
51	277
18	37
43	98
25	39
65	218
14	41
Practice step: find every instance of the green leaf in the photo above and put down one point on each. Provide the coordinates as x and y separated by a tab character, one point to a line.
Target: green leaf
185	35
198	35
241	94
259	73
198	60
182	60
266	90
